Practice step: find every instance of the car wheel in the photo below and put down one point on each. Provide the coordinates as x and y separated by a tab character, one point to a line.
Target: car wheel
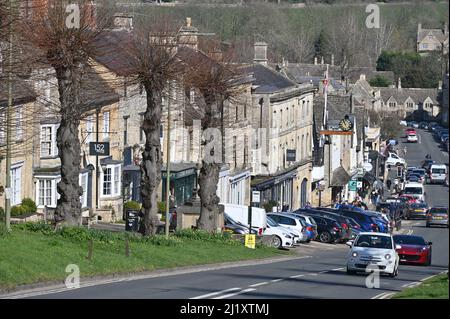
351	272
325	237
276	242
427	225
394	273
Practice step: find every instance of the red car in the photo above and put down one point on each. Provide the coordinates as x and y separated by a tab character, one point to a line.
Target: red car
410	199
410	131
414	250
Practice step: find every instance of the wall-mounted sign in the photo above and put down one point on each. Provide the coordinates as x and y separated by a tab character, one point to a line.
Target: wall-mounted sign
256	196
352	186
99	148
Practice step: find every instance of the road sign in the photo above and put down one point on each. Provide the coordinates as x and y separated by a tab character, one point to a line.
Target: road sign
256	196
99	148
250	241
290	155
359	184
353	186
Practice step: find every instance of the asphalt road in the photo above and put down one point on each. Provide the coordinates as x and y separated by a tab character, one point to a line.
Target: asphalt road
319	271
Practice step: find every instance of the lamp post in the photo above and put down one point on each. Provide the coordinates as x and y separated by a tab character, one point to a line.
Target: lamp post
168	167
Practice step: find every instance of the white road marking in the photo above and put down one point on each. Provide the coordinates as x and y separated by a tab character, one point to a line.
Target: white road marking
296	276
215	293
379	296
236	293
322	272
337	269
388	295
259	284
276	280
313	274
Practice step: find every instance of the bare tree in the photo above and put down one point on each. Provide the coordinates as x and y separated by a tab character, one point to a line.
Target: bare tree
154	65
67	48
216	81
380	41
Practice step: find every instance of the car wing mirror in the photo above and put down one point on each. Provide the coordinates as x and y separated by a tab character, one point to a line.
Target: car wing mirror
398	246
349	243
430	243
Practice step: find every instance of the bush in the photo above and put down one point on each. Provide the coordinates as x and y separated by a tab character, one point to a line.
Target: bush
222	238
161	207
269	205
2	213
18	210
29	205
40	227
131	205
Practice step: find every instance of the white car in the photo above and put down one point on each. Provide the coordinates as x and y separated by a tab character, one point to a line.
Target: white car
393	159
290	222
282	237
438	174
412	138
377	250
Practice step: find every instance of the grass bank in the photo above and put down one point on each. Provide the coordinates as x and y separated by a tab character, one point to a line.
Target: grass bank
32	256
434	288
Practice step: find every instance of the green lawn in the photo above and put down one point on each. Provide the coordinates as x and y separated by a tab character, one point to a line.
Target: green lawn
434	288
30	257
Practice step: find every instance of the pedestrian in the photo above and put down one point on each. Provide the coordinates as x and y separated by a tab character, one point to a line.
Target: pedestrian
308	205
404	150
388	184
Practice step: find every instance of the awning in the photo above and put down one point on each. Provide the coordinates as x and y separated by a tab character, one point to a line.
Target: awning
374	181
340	177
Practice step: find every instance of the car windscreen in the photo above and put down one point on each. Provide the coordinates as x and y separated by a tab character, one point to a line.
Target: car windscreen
438	171
419	171
419	205
436	210
408	240
271	222
412	190
374	241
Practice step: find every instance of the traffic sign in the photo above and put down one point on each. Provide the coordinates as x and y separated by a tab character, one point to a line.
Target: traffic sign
352	186
359	184
250	241
367	167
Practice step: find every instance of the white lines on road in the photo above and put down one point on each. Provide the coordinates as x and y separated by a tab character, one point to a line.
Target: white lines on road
236	293
383	295
411	284
277	280
259	284
296	276
215	293
337	269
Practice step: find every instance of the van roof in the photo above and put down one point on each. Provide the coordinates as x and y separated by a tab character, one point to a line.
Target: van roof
414	185
438	166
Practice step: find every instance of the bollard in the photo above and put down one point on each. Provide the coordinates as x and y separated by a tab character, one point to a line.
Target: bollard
90	247
127	247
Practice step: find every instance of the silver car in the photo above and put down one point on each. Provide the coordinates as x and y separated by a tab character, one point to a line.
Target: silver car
437	216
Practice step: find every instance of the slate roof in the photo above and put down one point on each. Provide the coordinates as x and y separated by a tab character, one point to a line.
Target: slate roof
340	177
418	95
268	80
22	93
437	33
96	92
298	70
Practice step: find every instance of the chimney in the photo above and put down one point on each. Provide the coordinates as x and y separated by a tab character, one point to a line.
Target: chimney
260	53
445	28
123	21
321	61
399	84
362	77
188	35
315	60
332	59
440	85
419	27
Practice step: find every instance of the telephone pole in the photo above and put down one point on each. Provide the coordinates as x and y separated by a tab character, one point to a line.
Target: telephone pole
8	128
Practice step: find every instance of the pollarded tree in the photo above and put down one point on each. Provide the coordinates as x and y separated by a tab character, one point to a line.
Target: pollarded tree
216	80
63	34
154	65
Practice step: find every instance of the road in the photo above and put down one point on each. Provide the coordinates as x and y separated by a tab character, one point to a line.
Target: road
318	272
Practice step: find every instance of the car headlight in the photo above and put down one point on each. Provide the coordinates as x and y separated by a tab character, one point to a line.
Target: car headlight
354	254
387	256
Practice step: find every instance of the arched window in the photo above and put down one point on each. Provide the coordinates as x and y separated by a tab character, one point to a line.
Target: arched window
274	119
304	193
303	147
308	145
281	119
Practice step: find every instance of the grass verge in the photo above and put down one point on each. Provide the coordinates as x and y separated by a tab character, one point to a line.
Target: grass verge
32	256
434	288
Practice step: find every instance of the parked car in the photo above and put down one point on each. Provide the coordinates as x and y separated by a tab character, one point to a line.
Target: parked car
415	124
403	123
409	199
413	178
426	164
410	130
292	223
414	249
412	138
393	160
236	227
423	125
282	237
328	229
438	174
367	222
240	214
341	220
311	223
437	216
376	249
417	210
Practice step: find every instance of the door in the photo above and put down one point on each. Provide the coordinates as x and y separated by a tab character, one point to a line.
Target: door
16	185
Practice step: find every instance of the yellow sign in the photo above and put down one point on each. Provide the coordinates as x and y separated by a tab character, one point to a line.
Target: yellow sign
250	241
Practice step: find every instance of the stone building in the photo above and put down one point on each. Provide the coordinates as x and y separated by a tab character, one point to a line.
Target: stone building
429	40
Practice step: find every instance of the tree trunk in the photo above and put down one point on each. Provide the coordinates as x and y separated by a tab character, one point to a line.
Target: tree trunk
209	173
68	209
151	162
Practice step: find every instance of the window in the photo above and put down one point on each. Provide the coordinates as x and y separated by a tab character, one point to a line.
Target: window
48	141
46	193
287	117
281	119
392	104
410	105
235	151
191	96
84	185
287	221
89	128
274	119
111	180
2	128
424	46
245	149
16	185
237	113
141	131
125	130
106	125
19	124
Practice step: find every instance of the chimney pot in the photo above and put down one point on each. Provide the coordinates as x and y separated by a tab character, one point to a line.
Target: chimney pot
440	85
260	53
332	59
399	83
315	60
321	61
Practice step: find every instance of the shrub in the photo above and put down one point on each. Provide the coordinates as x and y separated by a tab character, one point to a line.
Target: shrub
269	205
3	230
222	238
29	205
131	205
40	227
161	207
2	213
18	210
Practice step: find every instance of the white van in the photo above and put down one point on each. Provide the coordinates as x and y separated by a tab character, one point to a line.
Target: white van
438	173
240	214
416	190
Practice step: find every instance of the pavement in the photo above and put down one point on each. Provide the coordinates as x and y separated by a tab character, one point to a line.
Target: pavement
318	271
